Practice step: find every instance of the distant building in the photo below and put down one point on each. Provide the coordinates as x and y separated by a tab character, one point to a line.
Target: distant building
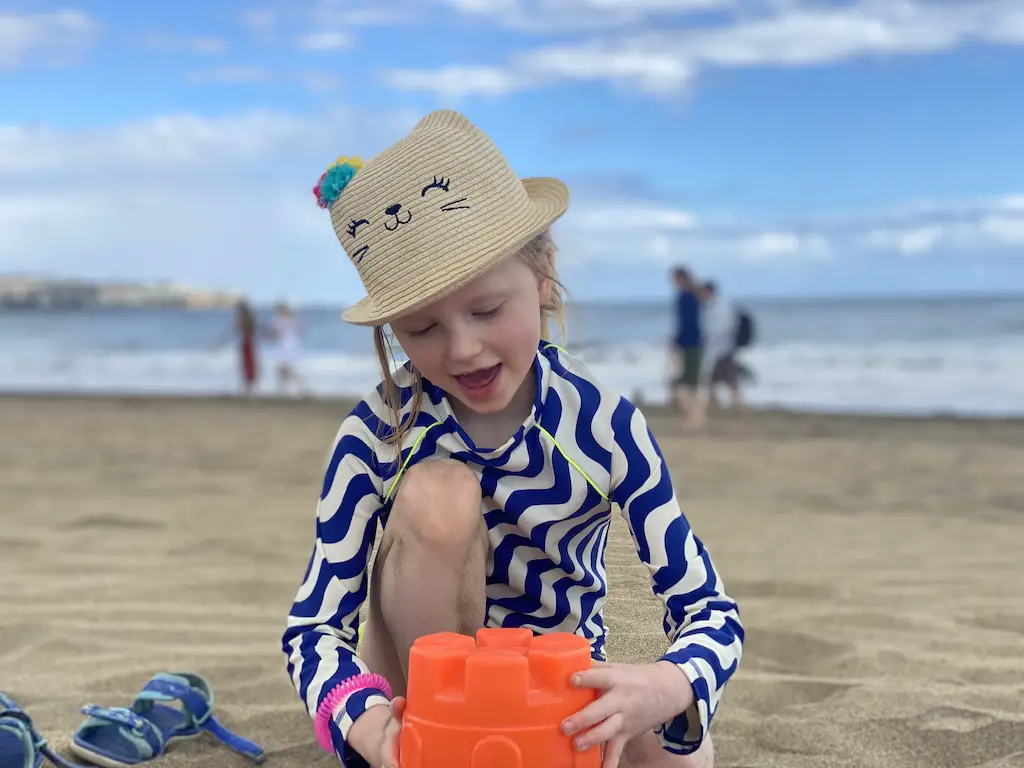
18	292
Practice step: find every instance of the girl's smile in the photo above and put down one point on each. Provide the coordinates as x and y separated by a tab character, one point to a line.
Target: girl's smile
480	384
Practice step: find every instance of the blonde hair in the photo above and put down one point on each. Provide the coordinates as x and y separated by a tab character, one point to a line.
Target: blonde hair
539	255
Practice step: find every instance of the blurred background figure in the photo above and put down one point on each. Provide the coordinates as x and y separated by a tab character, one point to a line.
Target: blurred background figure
246	332
686	347
724	335
287	336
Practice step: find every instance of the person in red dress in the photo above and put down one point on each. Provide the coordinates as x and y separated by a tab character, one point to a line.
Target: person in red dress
247	329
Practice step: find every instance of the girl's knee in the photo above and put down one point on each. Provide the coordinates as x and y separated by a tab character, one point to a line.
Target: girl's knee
438	502
702	758
645	751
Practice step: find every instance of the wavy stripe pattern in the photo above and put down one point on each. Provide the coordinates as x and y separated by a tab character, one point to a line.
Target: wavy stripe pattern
548	497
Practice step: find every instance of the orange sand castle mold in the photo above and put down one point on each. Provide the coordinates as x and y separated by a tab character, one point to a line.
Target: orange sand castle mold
494	702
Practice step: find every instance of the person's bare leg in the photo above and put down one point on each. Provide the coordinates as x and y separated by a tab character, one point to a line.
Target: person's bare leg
646	752
429	575
739	406
693	405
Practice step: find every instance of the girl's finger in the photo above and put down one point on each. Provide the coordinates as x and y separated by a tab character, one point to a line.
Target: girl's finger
397	707
389	750
601	678
613	752
592	714
603	731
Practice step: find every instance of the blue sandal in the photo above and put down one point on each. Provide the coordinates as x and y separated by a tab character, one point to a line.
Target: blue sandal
21	746
119	737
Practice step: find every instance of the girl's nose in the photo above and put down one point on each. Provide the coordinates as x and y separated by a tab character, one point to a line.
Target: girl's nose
463	345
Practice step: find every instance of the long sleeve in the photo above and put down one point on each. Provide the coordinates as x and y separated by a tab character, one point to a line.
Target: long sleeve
322	630
701	622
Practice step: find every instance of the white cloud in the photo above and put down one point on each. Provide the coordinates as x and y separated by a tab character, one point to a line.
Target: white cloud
654	72
547	16
324	25
631	216
318	42
198	44
320	81
907	241
775	34
1004	229
56	38
261	22
232	75
454	82
227	201
213	201
970	230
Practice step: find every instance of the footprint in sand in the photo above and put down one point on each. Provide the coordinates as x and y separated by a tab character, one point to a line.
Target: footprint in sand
19	639
1002	622
769	697
786	590
950	737
113	522
794	652
14	545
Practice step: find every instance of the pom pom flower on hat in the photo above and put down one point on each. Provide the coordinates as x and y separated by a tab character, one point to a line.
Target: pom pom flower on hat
335	179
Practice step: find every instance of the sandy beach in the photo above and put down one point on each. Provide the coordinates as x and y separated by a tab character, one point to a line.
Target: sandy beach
877	563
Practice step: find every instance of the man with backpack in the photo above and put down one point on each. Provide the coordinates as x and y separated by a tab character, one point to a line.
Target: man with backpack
727	329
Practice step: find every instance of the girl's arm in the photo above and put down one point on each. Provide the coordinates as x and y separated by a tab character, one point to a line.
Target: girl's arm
701	622
321	634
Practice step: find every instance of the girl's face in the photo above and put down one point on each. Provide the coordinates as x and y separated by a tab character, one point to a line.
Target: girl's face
479	343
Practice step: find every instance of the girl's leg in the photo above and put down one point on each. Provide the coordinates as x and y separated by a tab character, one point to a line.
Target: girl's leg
429	574
645	752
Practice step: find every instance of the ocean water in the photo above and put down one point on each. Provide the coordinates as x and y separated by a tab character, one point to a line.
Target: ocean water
912	357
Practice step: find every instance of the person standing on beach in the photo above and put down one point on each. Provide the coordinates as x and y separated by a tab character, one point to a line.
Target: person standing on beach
286	334
492	461
687	345
246	331
720	324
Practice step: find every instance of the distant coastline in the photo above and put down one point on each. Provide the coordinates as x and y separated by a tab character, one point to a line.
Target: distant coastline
48	293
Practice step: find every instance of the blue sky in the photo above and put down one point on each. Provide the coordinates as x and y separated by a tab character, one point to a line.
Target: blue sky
783	147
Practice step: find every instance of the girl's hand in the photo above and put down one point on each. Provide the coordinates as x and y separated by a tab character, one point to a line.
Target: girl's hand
392	730
374	735
634	698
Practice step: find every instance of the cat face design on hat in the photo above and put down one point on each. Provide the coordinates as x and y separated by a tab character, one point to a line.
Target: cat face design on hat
369	222
434	193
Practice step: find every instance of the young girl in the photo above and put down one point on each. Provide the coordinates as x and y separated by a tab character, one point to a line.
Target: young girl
286	333
492	461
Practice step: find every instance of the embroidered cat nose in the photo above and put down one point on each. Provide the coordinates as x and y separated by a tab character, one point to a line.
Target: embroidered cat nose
393	210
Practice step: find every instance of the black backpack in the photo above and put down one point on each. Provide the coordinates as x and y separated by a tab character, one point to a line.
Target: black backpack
745	329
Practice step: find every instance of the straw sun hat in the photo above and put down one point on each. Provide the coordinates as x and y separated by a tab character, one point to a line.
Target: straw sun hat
431	213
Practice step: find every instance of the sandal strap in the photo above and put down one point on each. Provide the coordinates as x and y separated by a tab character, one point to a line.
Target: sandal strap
125	717
239	744
196	697
192	691
19	715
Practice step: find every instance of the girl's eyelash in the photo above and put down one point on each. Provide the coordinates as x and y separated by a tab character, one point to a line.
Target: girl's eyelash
485	314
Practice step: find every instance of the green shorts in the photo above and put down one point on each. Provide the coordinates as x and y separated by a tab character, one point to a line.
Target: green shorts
689	361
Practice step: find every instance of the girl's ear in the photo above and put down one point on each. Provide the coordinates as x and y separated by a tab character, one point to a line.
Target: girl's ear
545	285
544	288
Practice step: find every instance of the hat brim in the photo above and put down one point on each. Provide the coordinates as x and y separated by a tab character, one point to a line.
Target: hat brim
548	200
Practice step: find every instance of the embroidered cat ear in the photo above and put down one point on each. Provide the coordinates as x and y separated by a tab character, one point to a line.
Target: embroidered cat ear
335	179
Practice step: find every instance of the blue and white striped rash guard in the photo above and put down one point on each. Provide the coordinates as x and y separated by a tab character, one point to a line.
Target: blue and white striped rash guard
547	501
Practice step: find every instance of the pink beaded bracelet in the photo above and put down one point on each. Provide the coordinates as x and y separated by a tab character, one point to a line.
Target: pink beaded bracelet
324	713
